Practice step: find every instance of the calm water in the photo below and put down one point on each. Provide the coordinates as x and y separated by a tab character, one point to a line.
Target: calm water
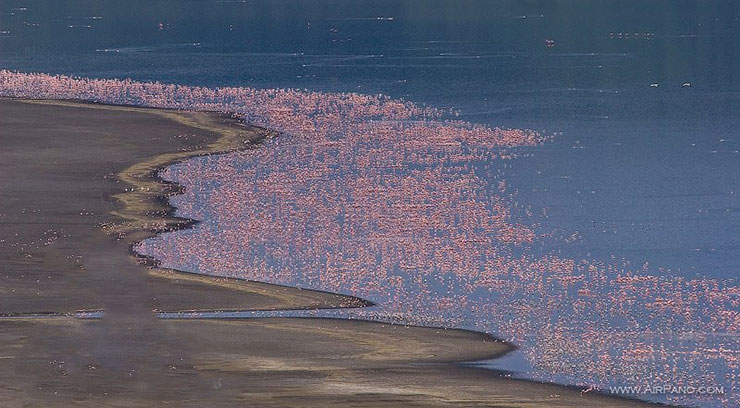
644	97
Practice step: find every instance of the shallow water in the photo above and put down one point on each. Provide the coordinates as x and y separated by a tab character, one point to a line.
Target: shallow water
645	177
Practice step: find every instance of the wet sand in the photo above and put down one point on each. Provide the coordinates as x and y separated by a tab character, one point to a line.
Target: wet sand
79	187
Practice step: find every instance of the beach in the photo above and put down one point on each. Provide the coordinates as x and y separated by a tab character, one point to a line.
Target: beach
80	186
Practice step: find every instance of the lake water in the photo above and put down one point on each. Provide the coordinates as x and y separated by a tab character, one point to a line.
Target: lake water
643	171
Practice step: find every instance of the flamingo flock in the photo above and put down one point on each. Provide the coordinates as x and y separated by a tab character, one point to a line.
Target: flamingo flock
393	202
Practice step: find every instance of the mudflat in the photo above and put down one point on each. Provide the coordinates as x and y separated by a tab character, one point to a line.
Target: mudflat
79	186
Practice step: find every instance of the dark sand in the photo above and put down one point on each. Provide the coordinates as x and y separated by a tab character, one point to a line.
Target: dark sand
66	225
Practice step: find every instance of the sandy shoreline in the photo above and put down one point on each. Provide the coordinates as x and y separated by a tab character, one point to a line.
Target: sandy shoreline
66	239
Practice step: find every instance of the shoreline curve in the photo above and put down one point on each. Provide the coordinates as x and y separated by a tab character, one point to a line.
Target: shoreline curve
146	211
